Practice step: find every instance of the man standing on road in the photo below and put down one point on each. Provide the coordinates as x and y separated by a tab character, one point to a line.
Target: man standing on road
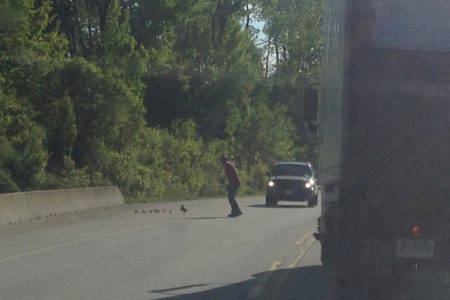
233	185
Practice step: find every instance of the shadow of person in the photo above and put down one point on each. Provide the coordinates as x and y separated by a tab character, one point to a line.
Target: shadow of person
205	218
279	206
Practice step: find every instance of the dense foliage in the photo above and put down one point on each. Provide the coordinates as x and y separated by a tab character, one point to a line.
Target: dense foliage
147	95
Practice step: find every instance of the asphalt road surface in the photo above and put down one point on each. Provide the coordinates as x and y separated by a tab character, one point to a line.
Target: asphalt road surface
155	251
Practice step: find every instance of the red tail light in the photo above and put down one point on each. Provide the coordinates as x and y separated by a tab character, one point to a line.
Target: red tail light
415	231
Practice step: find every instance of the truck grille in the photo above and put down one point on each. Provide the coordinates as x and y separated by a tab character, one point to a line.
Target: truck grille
289	184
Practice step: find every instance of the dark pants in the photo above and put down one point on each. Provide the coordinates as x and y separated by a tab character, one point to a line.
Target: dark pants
232	190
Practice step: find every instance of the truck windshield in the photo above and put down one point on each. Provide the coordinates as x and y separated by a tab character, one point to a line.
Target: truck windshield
291	170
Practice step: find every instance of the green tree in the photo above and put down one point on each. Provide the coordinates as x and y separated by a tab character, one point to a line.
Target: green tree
293	56
22	154
118	52
216	67
148	94
295	30
28	51
82	23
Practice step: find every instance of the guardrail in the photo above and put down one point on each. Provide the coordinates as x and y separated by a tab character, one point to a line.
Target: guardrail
28	206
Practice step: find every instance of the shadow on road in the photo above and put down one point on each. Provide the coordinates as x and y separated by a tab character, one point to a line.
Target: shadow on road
205	218
305	283
279	206
163	291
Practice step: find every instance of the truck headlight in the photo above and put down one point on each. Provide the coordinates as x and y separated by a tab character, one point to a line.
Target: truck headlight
271	183
310	184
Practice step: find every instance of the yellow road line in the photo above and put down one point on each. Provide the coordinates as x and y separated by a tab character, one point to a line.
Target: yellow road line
258	289
305	243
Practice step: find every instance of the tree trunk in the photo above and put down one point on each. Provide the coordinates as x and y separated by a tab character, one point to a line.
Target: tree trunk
267	57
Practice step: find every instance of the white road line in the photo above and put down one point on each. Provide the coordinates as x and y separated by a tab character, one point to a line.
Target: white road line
37	251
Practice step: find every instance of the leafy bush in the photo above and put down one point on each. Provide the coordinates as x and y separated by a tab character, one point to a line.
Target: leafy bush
7	185
22	153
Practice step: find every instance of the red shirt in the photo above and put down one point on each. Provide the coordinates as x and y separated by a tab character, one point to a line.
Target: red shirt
231	173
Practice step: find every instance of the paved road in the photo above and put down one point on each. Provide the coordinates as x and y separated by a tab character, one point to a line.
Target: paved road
126	253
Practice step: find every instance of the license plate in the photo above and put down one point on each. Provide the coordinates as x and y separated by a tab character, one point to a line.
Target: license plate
412	248
289	192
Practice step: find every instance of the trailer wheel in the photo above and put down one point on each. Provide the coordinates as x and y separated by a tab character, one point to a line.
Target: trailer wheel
316	201
326	255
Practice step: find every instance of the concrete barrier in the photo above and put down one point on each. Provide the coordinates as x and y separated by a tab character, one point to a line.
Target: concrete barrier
27	206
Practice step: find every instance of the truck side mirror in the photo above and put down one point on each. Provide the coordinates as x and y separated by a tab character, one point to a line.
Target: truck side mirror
310	108
310	105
